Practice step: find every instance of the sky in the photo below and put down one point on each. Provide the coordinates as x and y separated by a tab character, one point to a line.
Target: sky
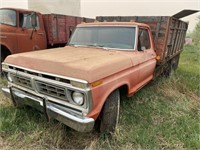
92	8
14	3
141	8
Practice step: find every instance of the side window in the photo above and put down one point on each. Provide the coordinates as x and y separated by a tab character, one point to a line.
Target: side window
25	21
143	40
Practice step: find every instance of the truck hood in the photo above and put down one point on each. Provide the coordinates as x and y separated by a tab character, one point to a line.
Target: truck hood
90	64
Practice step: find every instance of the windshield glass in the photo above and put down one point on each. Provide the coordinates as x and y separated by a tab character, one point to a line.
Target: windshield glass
8	17
106	37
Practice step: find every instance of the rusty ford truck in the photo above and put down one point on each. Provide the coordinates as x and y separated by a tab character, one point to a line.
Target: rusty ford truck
17	33
82	82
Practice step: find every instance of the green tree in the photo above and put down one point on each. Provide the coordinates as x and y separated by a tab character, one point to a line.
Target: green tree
196	33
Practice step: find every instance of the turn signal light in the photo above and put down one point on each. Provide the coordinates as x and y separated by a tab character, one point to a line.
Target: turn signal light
157	57
96	83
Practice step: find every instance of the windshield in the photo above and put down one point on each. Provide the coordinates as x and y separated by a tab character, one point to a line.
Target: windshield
8	17
122	38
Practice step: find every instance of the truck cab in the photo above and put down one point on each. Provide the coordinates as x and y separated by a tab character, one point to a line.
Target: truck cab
17	32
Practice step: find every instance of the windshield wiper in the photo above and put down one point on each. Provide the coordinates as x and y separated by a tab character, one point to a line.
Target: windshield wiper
75	45
97	46
89	45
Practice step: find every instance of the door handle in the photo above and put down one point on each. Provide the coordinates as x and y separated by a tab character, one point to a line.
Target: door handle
40	33
3	36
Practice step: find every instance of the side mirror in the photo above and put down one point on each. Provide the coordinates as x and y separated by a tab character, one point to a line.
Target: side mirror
34	20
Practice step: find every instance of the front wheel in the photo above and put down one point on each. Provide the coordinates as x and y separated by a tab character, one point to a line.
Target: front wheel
3	56
110	113
2	59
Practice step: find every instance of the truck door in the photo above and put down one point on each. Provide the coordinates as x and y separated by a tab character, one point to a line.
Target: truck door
40	41
25	42
147	54
30	39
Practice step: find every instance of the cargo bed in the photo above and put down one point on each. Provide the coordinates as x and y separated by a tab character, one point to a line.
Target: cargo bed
60	27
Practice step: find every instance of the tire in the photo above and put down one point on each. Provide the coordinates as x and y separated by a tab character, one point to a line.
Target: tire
167	69
171	66
175	62
2	59
110	113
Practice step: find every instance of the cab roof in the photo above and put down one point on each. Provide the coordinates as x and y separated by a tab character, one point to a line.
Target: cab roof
113	24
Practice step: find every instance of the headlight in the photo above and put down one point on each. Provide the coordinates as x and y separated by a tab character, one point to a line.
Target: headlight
9	77
4	66
78	98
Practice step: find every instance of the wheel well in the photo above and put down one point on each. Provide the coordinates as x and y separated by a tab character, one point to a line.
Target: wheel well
123	91
4	52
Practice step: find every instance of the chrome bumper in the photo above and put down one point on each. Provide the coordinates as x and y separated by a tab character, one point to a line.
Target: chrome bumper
52	110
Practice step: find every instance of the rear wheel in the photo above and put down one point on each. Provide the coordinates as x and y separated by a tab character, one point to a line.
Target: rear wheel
175	62
110	113
171	66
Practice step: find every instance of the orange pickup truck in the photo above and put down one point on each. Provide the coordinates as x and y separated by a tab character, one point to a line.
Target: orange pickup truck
17	34
82	82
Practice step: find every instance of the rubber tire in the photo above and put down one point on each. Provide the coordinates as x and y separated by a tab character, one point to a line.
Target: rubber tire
175	61
167	69
1	64
110	113
2	59
172	65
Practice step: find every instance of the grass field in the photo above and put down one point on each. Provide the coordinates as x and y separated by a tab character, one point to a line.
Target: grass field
164	114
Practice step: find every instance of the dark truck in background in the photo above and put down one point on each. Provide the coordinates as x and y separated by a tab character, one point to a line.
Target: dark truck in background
17	33
81	83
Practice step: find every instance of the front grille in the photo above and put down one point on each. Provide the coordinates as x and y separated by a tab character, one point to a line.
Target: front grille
23	81
39	85
51	90
40	75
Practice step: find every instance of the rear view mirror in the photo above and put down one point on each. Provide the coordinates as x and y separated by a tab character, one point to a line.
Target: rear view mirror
33	20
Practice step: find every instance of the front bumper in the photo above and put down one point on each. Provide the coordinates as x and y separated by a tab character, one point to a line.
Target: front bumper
52	110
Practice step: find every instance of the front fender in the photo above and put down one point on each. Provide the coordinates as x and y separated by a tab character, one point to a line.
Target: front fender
100	92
